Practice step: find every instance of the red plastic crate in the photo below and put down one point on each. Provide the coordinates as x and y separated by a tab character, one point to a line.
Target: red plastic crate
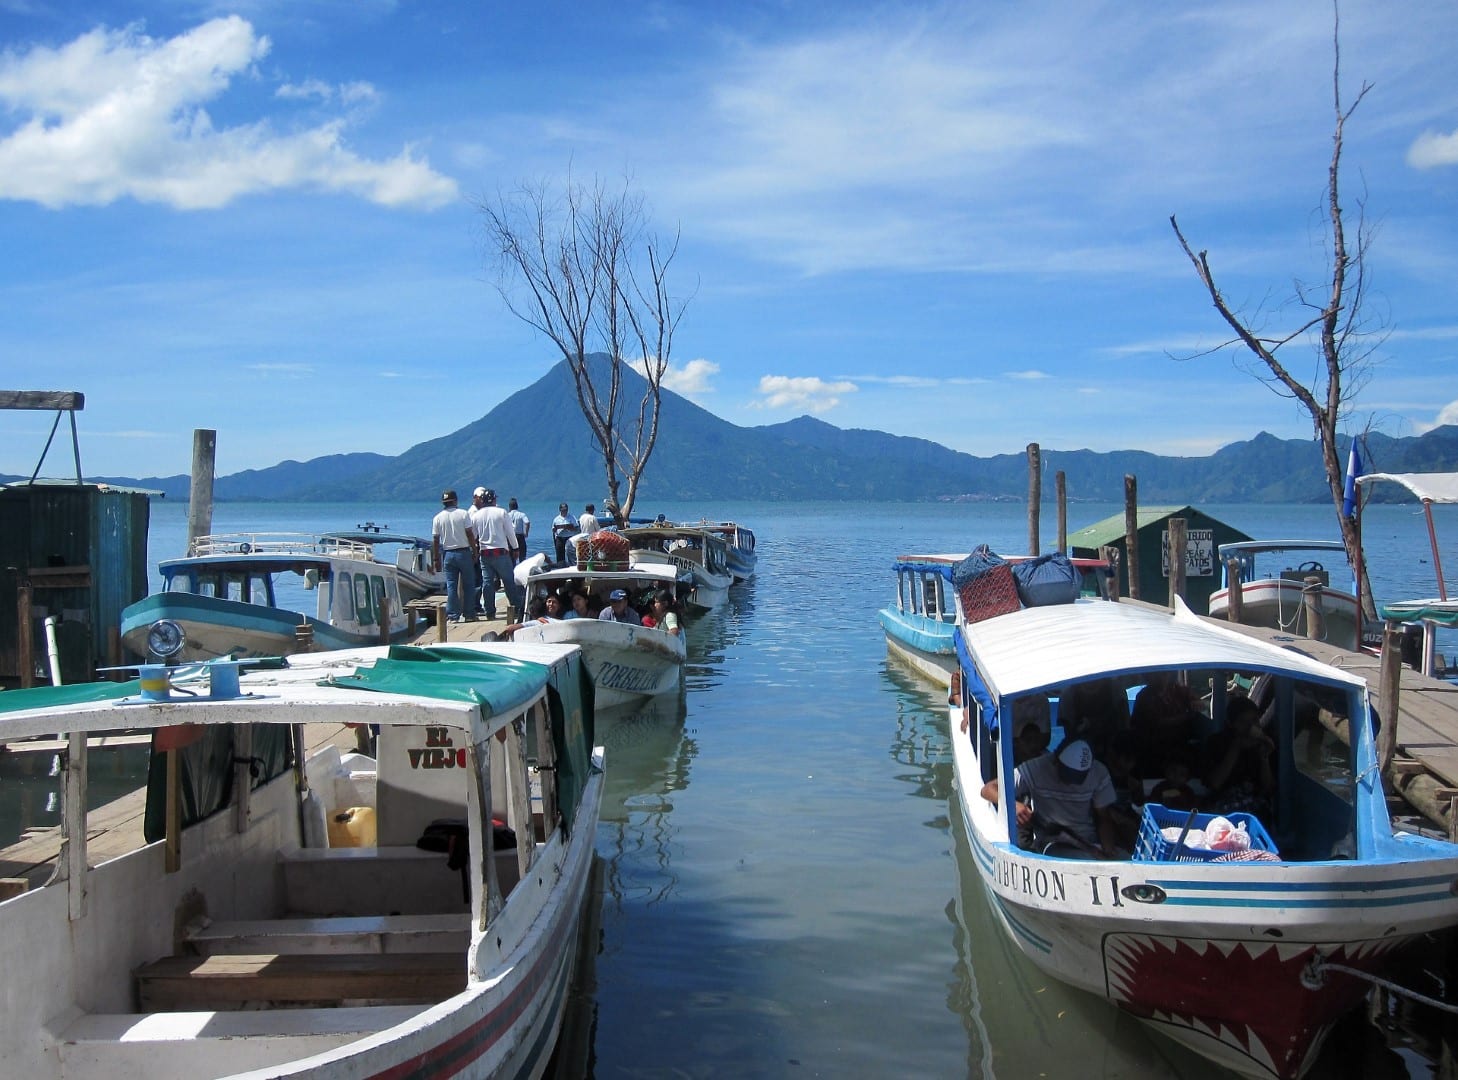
991	593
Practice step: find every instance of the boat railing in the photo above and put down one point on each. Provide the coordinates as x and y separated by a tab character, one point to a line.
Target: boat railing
272	543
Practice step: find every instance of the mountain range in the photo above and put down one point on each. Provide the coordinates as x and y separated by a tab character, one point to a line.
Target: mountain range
537	446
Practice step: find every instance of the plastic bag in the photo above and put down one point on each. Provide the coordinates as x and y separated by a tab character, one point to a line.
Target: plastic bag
1223	835
1048	579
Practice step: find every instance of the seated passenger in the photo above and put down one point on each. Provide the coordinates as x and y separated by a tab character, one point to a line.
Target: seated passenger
618	609
1065	800
1165	722
1174	791
663	614
1239	771
576	607
1093	711
1030	741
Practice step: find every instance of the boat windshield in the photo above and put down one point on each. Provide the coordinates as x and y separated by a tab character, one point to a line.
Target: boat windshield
226	583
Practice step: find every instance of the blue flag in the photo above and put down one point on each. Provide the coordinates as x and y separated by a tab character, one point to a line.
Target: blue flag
1349	489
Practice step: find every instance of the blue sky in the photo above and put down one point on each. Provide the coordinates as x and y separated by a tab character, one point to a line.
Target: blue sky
944	220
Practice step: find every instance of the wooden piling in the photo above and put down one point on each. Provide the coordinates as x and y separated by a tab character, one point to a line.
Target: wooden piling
1312	598
25	642
200	494
1235	594
1391	680
1178	542
1035	495
1131	533
1060	488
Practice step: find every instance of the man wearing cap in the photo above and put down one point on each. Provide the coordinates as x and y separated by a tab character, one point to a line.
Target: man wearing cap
498	553
521	524
1064	801
453	549
618	609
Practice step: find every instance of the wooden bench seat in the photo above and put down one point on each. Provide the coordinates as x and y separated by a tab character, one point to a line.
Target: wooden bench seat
239	981
339	934
142	1046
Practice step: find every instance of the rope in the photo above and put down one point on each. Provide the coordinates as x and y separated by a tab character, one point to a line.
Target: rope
1318	967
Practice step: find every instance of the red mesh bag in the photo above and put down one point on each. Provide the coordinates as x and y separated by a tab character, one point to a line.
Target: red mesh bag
992	592
603	550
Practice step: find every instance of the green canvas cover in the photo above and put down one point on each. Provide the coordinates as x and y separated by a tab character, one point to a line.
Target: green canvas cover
50	697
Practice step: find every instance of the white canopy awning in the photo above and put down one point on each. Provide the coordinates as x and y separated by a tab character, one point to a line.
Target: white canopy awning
1438	487
1039	648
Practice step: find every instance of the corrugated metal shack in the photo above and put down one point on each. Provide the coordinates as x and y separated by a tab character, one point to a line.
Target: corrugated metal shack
77	551
1204	535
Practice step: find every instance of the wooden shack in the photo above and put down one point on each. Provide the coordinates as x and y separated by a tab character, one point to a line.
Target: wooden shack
76	551
1204	535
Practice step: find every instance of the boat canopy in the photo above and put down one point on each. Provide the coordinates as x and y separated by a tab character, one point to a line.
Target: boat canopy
1429	487
1258	546
1040	648
495	681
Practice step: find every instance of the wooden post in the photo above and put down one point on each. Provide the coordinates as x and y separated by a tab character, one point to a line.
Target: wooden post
200	495
1177	545
242	775
1035	495
440	623
303	638
1391	677
384	620
1235	593
1060	488
172	845
1312	598
1131	533
25	642
73	853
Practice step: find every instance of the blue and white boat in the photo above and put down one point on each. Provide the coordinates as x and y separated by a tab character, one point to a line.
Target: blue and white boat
249	937
244	594
1249	958
740	543
920	623
409	554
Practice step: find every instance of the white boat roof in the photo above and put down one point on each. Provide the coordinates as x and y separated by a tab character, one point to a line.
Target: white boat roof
648	572
1258	546
297	694
1440	487
1039	648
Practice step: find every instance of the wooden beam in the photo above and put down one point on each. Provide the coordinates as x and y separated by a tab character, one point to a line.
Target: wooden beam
42	399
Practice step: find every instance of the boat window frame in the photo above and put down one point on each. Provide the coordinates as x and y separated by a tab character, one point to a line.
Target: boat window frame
343	598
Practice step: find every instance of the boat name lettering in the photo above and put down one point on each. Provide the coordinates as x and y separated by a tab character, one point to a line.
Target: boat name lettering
1033	881
437	757
625	678
438	736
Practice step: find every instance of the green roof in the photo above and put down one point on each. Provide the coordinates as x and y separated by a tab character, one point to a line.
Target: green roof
1111	529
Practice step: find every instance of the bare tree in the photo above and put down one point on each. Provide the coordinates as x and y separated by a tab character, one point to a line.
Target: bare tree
581	267
1331	309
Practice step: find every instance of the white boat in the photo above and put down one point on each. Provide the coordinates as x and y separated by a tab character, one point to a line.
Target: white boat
739	544
629	663
1249	963
1437	610
691	548
240	945
408	554
240	594
1279	578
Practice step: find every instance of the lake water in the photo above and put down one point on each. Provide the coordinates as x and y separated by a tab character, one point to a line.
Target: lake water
786	890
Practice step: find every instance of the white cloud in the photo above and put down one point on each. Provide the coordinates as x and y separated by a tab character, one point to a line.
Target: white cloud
801	392
351	93
693	378
116	114
287	370
1448	414
1031	375
1431	149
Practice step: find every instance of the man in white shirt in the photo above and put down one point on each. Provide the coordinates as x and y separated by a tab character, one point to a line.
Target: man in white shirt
497	540
563	526
453	548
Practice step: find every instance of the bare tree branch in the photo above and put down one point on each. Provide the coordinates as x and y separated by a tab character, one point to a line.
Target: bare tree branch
578	269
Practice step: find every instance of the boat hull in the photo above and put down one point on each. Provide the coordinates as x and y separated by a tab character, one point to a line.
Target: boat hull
923	644
628	663
1279	603
1230	975
217	627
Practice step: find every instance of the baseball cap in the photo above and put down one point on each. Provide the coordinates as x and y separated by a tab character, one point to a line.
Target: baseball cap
1076	756
448	495
478	491
617	594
